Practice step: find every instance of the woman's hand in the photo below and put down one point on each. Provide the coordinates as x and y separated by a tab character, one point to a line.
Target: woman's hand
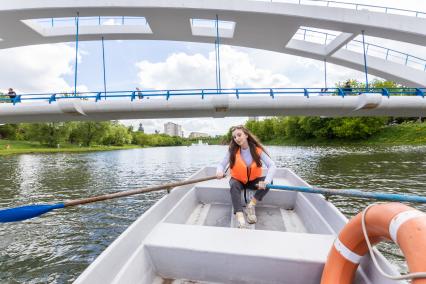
261	185
219	175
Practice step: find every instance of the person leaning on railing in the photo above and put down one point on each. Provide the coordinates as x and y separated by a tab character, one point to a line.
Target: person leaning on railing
11	93
139	93
347	88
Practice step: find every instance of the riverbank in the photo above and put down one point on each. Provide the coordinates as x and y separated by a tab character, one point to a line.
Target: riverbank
11	147
391	135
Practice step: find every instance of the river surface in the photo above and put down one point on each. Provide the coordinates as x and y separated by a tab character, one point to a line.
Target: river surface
58	246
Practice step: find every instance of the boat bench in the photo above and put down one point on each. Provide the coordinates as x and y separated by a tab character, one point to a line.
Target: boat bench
202	253
279	211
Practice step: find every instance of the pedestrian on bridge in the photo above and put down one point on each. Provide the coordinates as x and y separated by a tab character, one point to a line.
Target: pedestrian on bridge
347	87
246	156
139	92
11	93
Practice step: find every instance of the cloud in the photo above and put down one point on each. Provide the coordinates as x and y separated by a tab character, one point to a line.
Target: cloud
39	68
110	22
241	67
211	126
302	72
180	71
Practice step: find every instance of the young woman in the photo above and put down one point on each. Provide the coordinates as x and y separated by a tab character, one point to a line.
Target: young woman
245	158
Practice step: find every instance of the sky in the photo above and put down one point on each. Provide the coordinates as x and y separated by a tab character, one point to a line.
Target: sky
166	65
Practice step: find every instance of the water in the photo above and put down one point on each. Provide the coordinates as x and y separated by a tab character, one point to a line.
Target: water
58	246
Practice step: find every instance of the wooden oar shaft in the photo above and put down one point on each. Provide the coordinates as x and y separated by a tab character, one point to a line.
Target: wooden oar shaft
135	191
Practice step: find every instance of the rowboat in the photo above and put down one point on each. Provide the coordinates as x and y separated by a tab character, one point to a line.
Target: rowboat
190	236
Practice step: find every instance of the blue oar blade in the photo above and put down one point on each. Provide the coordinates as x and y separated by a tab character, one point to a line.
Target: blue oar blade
26	212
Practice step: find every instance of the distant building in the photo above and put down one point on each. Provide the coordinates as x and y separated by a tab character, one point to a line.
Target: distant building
140	129
173	129
198	135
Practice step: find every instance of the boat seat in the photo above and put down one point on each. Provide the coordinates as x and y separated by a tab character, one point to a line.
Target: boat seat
217	254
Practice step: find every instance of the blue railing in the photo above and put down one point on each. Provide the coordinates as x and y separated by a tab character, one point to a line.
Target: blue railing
93	21
356	6
202	93
378	51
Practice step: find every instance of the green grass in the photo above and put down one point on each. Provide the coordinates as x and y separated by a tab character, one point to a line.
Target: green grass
402	134
26	147
406	133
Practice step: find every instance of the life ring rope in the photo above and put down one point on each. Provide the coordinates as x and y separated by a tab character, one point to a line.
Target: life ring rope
396	222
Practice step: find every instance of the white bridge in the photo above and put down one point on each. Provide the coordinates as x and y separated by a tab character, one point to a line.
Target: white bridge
211	103
275	26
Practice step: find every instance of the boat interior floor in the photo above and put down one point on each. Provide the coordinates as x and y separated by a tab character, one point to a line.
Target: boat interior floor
198	239
207	205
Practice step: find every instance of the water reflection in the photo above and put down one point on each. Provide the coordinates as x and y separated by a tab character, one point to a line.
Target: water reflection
56	247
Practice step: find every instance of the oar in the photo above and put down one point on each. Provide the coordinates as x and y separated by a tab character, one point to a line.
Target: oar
352	193
30	211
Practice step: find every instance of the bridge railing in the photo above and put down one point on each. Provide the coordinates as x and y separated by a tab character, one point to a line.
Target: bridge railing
355	6
306	34
203	93
371	49
323	3
92	21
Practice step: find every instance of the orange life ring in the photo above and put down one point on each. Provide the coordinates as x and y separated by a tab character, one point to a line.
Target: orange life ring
404	225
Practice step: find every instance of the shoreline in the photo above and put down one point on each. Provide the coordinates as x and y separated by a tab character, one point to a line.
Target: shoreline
46	150
407	134
19	147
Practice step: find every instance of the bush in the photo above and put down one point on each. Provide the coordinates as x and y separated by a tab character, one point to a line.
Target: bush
357	127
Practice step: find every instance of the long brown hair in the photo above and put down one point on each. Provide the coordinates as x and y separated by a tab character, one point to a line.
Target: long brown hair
253	143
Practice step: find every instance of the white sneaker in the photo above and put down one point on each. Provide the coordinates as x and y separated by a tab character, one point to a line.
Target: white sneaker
251	214
241	223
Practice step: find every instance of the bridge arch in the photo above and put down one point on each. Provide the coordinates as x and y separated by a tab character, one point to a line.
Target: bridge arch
262	25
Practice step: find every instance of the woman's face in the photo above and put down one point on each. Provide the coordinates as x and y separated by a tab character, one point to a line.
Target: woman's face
240	137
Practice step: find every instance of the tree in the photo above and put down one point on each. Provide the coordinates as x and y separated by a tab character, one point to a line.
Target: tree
90	132
267	130
315	126
293	129
52	133
357	127
11	131
117	135
254	126
279	127
140	138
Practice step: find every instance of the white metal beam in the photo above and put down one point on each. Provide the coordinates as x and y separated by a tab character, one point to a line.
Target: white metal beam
338	43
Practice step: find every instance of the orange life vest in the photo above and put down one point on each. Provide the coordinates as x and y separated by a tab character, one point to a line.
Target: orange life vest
240	171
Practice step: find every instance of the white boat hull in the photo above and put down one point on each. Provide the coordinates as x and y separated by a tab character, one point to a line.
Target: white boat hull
189	235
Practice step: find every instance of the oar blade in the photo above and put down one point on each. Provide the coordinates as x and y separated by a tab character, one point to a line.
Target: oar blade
26	212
